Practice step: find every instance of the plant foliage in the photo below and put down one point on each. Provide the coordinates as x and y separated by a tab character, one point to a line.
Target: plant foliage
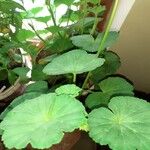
41	117
124	126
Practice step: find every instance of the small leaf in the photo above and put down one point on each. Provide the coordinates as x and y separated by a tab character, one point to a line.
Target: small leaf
97	99
55	29
124	126
44	19
21	72
47	116
39	86
70	15
69	89
3	74
116	85
32	13
96	10
37	73
24	34
60	45
86	42
11	77
66	2
75	62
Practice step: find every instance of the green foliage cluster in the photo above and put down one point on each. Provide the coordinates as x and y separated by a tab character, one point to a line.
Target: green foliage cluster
75	62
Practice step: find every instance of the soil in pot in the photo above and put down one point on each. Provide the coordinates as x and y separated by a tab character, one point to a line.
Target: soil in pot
69	140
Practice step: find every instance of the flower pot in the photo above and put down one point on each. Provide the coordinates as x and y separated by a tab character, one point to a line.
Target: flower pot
13	91
69	140
107	4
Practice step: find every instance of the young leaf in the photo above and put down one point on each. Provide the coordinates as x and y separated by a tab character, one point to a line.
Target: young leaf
70	15
75	62
116	85
86	42
124	126
96	10
44	19
69	89
47	116
31	13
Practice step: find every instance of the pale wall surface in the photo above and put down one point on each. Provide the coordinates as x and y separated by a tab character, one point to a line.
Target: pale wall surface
133	45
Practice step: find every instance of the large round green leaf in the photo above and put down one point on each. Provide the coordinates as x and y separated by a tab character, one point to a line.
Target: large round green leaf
75	62
42	121
19	100
124	126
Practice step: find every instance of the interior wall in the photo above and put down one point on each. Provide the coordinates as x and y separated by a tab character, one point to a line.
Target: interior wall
133	46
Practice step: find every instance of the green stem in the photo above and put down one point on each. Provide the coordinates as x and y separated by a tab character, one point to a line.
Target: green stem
100	48
86	80
95	22
85	5
37	33
95	25
68	16
52	15
74	78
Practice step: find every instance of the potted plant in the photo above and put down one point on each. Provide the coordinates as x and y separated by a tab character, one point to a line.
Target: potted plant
76	88
13	68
